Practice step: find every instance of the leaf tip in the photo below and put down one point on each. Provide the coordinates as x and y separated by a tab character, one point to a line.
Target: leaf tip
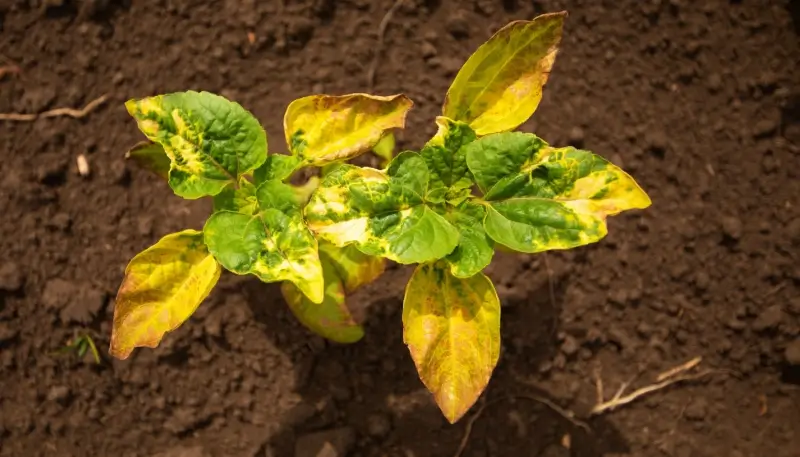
118	351
452	407
130	105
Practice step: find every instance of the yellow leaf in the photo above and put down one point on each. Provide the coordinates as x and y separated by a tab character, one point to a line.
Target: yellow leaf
353	266
452	329
163	286
500	85
331	318
322	129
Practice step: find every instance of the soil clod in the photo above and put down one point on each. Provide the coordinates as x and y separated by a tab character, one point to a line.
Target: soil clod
11	277
329	443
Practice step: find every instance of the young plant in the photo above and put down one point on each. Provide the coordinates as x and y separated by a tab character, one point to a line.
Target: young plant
474	187
81	345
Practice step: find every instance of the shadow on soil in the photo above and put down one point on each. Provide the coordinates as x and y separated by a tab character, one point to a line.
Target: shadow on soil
374	381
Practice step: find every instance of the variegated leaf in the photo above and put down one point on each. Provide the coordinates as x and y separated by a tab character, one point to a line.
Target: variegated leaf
542	198
383	213
273	244
210	141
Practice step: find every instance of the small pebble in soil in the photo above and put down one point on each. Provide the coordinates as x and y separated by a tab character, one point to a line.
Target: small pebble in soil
765	128
61	222
379	425
769	164
697	409
701	280
428	50
731	227
118	173
450	65
7	333
570	346
618	297
657	141
182	420
768	319
58	394
714	82
576	136
457	25
735	324
299	414
792	353
52	168
144	225
644	329
11	278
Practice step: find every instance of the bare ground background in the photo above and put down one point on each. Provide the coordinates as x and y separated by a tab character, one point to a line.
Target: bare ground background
698	100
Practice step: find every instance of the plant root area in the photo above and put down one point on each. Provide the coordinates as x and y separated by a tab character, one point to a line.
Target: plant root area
699	101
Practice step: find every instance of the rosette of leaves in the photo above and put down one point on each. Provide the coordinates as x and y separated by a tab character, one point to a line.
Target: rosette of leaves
476	186
207	146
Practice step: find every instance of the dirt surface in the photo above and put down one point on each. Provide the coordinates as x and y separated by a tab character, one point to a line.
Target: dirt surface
698	100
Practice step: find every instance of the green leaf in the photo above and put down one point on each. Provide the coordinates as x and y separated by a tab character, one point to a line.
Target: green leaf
542	198
385	148
446	160
151	157
383	213
353	266
503	157
500	85
475	249
241	199
277	167
163	286
330	319
210	141
273	244
452	329
322	128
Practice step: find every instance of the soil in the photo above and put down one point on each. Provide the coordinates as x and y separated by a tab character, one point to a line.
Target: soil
700	101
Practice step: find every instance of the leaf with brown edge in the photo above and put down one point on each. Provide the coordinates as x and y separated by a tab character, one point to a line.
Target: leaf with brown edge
163	286
452	329
321	129
500	85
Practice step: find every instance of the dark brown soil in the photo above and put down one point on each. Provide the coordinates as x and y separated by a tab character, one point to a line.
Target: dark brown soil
699	100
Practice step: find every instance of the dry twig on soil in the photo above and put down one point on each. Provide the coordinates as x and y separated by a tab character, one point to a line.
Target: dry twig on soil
373	67
76	113
565	413
468	429
663	380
